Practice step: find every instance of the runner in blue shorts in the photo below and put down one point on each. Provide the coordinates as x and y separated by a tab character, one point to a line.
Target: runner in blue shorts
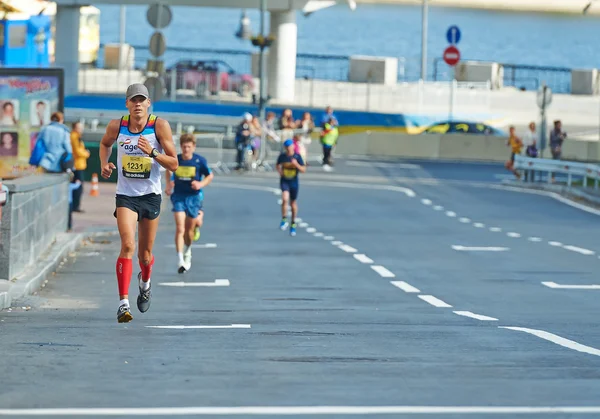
289	164
185	187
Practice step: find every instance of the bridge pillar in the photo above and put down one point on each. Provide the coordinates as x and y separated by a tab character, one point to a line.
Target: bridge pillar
66	46
282	55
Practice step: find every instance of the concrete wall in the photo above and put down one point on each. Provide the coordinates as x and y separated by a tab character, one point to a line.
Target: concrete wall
425	146
447	147
36	212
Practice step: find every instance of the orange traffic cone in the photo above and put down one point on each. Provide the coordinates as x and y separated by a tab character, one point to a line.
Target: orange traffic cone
94	191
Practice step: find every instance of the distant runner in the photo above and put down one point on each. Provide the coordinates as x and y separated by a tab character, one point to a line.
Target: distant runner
190	178
289	164
515	144
141	139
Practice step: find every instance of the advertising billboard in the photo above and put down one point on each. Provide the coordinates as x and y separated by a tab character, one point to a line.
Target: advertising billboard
27	99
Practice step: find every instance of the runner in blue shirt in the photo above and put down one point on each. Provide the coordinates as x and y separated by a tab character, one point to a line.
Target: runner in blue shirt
289	164
185	187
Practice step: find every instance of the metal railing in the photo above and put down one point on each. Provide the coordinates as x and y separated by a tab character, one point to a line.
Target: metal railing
574	170
521	76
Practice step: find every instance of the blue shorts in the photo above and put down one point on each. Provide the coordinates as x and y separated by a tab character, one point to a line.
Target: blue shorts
190	204
291	187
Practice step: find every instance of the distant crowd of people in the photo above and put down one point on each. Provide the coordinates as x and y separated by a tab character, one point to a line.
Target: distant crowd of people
278	129
528	145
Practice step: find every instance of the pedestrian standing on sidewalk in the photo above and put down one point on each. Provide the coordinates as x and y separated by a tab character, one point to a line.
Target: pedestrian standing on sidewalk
80	156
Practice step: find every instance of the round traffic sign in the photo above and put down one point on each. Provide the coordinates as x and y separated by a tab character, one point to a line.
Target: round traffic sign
155	88
158	45
159	16
453	35
451	55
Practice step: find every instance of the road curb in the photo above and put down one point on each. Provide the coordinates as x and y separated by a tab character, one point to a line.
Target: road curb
566	191
35	275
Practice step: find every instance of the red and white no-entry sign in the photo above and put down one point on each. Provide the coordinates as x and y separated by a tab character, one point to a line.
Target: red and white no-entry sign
451	55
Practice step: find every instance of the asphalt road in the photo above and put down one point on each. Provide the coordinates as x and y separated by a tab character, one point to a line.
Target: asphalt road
415	286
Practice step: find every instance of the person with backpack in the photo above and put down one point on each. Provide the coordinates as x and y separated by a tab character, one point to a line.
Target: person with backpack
54	152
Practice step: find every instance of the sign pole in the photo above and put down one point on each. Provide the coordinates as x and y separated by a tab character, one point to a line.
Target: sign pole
424	29
453	71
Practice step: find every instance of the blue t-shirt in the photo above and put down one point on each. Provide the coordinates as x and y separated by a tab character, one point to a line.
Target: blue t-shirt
189	170
290	173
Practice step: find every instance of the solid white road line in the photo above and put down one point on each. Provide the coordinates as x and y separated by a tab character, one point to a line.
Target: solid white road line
231	326
581	250
551	284
404	286
535	239
347	249
362	258
336	243
479	248
478	225
464	220
198	246
514	235
495	229
216	283
555	244
275	191
438	208
328	238
311	230
384	272
382	165
436	302
556	339
450	213
476	316
426	201
304	411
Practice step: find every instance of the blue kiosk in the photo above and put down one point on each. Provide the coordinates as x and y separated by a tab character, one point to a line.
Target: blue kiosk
24	43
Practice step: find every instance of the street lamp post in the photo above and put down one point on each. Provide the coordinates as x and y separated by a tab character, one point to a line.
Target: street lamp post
424	17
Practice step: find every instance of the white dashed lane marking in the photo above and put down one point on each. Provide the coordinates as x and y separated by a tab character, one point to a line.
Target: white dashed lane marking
405	286
383	271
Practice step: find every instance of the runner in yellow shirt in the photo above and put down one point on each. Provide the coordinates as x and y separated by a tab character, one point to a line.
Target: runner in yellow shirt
515	144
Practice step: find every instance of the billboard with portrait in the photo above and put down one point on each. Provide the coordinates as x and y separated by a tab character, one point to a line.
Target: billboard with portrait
27	99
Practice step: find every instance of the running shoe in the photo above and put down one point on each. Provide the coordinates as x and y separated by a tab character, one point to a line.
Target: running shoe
293	230
284	224
143	300
124	314
197	234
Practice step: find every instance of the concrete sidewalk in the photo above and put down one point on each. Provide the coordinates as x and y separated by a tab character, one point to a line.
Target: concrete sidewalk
98	210
97	219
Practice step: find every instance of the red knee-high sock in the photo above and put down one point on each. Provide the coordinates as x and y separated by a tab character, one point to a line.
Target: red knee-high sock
124	270
146	270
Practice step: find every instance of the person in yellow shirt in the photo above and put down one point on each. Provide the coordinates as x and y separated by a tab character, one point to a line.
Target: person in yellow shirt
80	156
515	144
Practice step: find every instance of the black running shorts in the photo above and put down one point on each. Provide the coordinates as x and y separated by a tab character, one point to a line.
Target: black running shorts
146	206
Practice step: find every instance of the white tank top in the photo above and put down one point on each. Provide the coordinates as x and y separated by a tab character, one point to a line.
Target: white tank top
138	173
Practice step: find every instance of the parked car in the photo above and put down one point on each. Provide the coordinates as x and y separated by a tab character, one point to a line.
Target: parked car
464	127
208	76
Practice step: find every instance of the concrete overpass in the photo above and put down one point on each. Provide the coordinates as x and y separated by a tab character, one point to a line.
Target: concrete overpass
281	66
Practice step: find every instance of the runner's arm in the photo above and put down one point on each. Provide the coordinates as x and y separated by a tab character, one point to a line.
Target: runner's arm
168	182
109	138
168	160
300	165
206	181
